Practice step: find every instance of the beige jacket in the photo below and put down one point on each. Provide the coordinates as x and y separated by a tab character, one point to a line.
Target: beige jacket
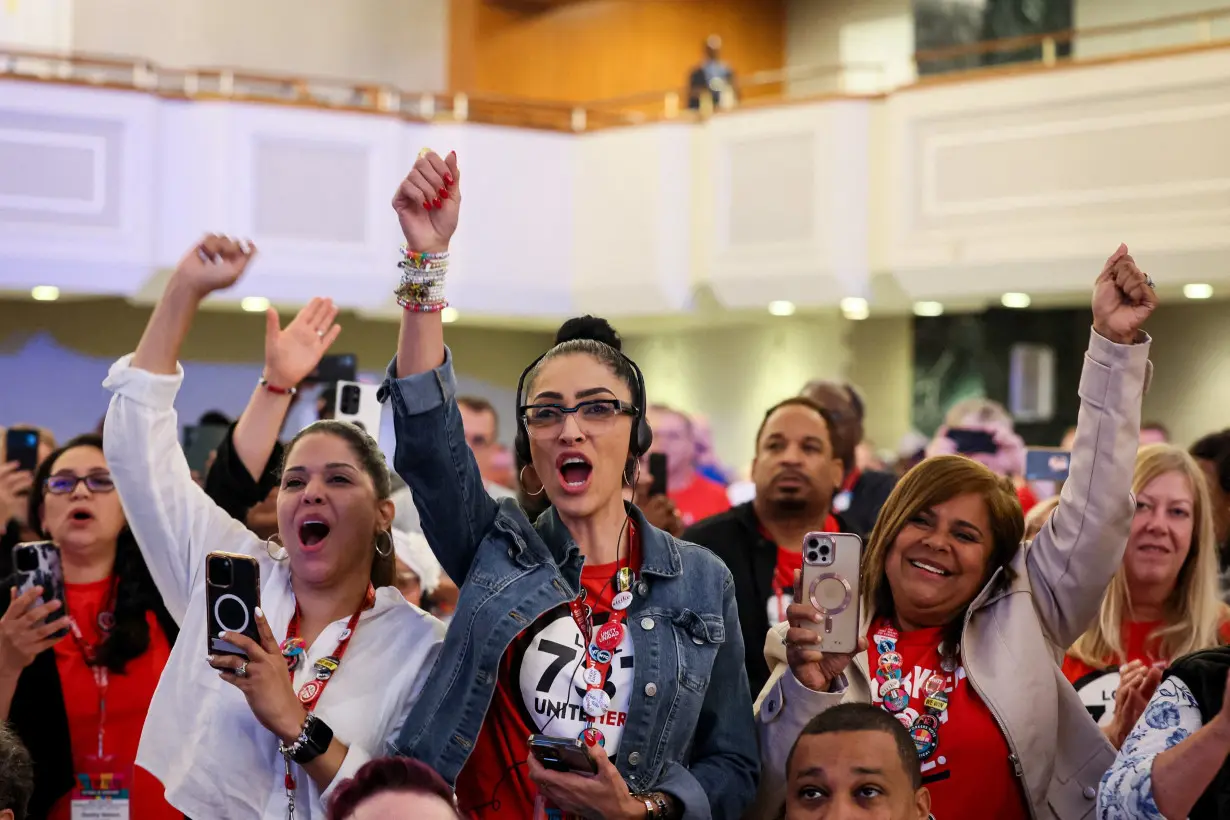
1013	637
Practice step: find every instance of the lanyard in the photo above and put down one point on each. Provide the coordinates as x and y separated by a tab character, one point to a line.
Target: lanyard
601	645
309	693
89	654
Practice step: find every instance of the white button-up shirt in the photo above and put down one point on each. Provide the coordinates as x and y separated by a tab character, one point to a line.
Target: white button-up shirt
201	739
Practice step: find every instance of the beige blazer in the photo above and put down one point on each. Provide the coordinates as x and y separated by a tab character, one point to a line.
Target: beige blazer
1013	637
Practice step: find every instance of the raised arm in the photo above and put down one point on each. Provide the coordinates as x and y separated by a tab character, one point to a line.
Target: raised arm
1073	558
431	454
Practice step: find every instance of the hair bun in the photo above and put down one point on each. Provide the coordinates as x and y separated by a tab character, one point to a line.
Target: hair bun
589	327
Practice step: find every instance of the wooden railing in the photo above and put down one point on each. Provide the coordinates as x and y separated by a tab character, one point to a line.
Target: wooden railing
793	84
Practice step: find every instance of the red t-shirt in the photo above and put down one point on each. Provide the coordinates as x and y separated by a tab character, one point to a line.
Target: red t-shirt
788	562
539	690
1026	497
128	699
969	774
1096	685
700	499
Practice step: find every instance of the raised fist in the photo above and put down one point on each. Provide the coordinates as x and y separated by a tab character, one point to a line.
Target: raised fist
214	263
1123	298
428	201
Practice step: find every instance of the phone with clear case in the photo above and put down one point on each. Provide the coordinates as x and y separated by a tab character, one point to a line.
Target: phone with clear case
830	582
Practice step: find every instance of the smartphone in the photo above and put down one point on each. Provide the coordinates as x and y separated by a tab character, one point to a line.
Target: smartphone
37	564
200	441
22	446
232	594
830	582
657	472
973	442
562	754
1043	464
359	404
335	367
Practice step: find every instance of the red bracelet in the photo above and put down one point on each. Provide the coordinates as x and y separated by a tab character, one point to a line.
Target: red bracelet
277	391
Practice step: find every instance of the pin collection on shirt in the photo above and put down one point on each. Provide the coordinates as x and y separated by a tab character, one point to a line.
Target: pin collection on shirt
601	647
925	729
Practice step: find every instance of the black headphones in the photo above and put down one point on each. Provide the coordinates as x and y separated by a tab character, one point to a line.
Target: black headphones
642	435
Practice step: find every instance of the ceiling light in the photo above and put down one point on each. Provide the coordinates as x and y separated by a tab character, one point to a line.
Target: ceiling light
1192	291
928	309
855	308
254	304
449	315
45	293
781	308
1015	300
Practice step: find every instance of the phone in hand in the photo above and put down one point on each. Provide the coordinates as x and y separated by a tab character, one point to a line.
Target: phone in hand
200	441
657	474
830	584
359	404
1043	464
232	594
37	564
334	367
973	442
21	445
562	754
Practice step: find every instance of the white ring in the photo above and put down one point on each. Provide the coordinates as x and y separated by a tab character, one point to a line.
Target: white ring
320	333
218	612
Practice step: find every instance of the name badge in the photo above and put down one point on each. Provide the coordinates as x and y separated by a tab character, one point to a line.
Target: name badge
99	809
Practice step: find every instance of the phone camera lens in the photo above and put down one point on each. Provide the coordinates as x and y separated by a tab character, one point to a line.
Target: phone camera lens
812	543
350	399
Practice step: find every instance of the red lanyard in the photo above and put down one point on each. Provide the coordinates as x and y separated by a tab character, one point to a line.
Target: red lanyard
601	645
325	668
89	654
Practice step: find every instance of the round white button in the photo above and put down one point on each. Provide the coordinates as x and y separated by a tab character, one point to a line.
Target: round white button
651	689
647	623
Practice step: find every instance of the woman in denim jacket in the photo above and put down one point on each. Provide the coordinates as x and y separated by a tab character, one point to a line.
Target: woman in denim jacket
657	692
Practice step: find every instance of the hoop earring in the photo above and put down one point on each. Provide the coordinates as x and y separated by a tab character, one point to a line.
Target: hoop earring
281	554
389	535
521	475
636	473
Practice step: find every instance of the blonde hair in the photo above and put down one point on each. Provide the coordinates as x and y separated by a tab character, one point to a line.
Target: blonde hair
1038	515
933	482
982	411
1194	610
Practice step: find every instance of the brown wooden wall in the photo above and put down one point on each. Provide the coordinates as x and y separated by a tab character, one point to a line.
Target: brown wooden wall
597	49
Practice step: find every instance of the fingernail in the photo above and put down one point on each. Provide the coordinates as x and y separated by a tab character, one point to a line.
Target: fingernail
426	206
200	254
259	612
448	179
436	202
222	633
452	153
815	616
209	659
444	193
245	246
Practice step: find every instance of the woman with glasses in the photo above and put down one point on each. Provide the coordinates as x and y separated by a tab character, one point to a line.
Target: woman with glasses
590	626
77	689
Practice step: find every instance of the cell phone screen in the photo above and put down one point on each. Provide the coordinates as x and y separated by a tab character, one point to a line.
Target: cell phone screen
657	472
972	442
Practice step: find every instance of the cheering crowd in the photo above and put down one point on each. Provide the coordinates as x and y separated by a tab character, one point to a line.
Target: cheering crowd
427	642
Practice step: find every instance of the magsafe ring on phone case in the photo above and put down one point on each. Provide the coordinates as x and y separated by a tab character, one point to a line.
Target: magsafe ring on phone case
837	610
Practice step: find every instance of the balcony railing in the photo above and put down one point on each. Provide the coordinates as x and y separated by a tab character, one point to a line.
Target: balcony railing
1176	33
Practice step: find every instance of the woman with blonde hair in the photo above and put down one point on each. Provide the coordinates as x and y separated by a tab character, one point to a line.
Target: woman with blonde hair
960	621
1163	601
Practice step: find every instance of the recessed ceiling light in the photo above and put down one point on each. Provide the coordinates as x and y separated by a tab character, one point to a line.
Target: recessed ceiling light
254	304
855	308
781	308
1014	300
1199	291
449	315
928	309
45	293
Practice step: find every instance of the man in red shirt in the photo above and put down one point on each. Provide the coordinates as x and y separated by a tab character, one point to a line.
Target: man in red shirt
796	473
695	496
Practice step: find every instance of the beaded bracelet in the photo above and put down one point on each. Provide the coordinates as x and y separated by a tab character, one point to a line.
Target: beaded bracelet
422	281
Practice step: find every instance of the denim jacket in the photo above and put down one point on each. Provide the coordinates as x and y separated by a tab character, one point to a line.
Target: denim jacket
690	731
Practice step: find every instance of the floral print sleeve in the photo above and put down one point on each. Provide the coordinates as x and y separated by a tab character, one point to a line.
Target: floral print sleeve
1126	792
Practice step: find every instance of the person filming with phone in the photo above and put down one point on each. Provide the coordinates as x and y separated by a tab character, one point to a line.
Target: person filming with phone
83	639
297	659
617	647
959	621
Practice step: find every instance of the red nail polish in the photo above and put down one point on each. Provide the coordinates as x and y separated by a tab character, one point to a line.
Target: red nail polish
444	193
426	206
436	202
448	179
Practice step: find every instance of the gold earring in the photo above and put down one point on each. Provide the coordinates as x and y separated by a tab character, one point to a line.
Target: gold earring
281	554
389	535
521	475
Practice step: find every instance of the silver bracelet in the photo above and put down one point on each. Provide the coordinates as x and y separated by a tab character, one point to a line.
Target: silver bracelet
293	749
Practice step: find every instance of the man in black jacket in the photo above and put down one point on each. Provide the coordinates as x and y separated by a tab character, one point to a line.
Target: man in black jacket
796	474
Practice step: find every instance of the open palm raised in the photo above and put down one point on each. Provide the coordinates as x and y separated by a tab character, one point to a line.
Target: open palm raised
291	354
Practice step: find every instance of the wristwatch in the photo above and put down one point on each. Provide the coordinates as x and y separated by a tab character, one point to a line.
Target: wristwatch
313	741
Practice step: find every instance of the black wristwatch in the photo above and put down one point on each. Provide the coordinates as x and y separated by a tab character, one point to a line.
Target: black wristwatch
313	741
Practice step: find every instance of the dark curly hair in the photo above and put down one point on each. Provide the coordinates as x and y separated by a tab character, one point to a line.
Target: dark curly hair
135	592
388	774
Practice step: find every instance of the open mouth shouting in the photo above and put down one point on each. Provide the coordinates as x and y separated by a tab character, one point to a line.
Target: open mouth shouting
80	516
574	472
313	531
